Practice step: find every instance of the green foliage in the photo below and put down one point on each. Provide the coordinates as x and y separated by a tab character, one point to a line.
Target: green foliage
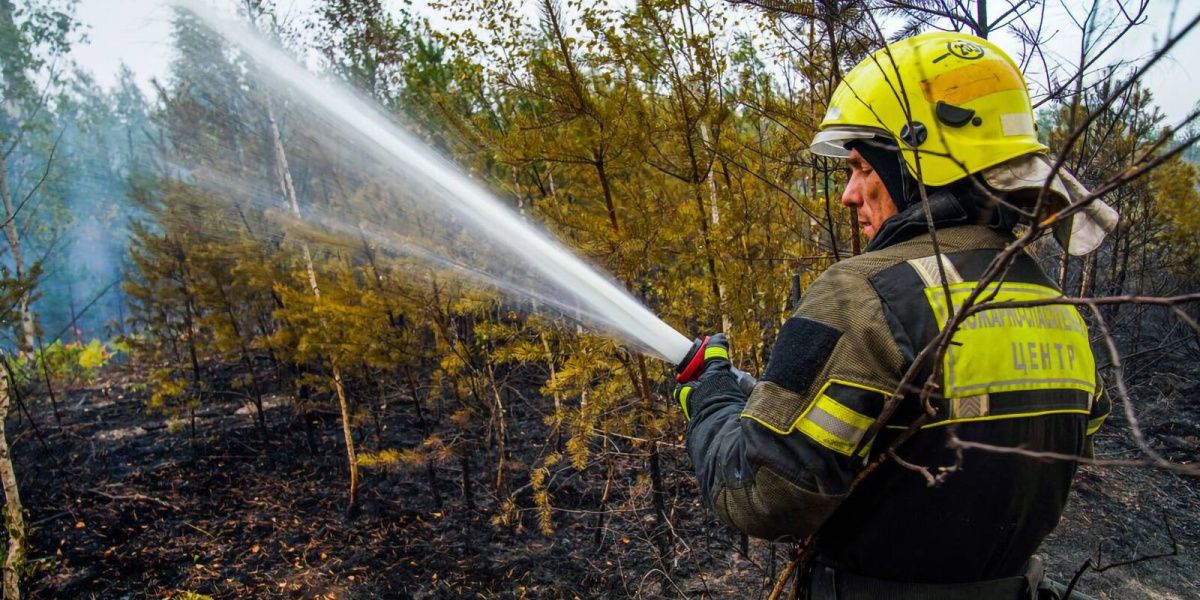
541	494
190	595
65	364
1174	186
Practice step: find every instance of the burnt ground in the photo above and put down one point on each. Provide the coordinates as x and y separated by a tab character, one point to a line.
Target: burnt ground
1123	515
123	505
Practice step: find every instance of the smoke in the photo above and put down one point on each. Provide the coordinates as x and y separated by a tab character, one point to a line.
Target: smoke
76	172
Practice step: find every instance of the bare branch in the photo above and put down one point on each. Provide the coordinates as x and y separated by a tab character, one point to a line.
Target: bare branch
40	181
956	442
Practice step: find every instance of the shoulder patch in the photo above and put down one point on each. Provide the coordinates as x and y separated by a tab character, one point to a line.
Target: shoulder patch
801	351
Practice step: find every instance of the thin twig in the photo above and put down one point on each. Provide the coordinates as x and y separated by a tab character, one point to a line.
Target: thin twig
1100	569
136	497
956	442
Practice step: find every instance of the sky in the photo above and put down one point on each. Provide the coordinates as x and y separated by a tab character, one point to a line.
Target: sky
137	32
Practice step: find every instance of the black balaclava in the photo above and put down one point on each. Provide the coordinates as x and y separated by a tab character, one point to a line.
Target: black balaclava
884	156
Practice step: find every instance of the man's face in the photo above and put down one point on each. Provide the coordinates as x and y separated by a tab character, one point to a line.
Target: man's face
866	192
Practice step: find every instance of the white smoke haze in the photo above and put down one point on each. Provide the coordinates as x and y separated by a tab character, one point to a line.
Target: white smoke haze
392	190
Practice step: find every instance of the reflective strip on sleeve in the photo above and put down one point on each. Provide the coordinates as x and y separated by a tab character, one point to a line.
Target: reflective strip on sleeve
775	407
834	426
1094	424
712	352
684	392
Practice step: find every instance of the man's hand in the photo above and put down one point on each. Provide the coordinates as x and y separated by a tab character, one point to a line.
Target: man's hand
709	357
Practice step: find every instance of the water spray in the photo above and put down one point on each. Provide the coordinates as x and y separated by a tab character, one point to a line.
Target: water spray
577	287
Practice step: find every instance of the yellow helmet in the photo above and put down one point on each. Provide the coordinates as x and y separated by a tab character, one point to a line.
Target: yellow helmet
968	107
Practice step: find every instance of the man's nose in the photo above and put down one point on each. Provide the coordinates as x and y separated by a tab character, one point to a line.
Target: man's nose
850	196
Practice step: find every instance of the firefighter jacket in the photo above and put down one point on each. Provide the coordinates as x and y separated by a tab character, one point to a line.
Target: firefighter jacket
778	464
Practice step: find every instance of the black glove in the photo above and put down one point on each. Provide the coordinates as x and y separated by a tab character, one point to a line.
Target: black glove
709	357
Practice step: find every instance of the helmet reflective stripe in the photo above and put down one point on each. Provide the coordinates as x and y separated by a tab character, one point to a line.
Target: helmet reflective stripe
958	104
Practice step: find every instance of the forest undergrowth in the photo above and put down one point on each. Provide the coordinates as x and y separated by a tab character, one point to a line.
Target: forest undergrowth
121	504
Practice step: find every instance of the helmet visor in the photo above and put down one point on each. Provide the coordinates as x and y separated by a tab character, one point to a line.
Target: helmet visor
831	142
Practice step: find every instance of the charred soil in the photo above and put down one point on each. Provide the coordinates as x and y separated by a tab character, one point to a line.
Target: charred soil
124	503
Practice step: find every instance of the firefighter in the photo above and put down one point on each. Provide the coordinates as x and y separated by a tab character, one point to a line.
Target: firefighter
937	132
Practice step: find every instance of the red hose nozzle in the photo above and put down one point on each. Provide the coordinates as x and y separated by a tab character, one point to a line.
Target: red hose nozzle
693	363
